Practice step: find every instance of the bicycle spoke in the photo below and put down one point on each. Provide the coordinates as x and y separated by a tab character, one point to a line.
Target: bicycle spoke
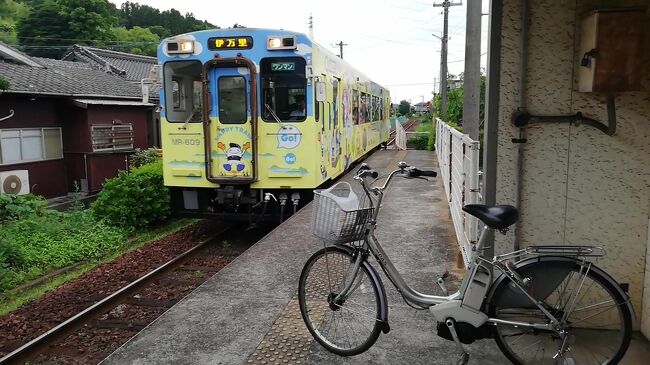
589	311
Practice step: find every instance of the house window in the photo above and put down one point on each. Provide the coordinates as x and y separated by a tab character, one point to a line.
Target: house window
30	144
112	137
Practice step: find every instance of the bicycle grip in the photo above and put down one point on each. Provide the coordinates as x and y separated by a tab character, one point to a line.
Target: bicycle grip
414	172
428	173
372	173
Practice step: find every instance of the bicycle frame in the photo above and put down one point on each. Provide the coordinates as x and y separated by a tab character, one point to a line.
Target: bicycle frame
371	244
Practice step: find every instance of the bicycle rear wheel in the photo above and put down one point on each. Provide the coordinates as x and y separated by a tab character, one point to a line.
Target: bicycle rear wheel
348	327
593	313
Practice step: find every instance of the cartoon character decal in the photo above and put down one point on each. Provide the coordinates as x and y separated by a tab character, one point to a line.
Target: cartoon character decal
234	164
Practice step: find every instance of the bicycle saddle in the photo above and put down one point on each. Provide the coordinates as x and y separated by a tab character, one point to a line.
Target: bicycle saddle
497	217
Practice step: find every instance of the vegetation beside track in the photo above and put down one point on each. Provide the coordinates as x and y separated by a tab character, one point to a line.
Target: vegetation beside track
23	292
37	242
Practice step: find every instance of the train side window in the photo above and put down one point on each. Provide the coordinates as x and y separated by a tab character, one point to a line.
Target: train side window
284	89
183	91
365	109
355	106
376	108
232	100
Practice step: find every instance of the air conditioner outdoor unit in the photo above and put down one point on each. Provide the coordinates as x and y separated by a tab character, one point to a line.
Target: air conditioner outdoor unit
14	182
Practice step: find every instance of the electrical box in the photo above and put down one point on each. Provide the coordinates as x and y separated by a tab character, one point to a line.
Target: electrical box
611	51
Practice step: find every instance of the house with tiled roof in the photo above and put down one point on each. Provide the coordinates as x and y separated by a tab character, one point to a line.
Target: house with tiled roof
66	125
134	68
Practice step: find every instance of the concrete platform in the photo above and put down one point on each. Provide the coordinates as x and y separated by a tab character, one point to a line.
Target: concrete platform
247	313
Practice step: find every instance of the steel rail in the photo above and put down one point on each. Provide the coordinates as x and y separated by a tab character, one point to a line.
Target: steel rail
34	347
409	125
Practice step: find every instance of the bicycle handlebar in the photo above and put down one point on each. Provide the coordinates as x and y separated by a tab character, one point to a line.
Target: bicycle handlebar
365	170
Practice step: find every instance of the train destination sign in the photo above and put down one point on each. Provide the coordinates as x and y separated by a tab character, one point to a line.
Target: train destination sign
283	66
217	43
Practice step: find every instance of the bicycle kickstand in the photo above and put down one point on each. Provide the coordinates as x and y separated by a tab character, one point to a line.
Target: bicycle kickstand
441	282
463	355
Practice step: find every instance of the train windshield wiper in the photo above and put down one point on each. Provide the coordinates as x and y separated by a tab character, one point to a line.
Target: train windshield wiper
275	116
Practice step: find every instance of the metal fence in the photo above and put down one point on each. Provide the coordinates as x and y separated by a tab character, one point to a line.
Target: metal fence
458	158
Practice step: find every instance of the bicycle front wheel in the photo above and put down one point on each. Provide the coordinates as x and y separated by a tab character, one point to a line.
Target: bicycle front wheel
595	320
345	327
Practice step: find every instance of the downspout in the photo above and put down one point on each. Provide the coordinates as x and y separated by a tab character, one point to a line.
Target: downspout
521	139
86	171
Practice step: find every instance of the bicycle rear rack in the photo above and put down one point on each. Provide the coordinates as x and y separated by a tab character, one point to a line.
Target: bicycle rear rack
571	251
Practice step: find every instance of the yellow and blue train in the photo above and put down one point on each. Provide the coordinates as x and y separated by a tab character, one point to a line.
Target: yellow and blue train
251	117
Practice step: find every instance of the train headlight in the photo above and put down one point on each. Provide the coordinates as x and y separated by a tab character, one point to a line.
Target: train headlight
180	47
275	42
279	43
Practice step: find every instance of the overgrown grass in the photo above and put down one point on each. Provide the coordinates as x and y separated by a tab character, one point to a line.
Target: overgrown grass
13	299
424	141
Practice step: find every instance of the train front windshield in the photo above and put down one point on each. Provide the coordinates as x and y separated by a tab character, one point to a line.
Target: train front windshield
284	87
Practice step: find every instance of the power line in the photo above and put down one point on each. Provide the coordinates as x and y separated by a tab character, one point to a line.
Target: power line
413	84
85	40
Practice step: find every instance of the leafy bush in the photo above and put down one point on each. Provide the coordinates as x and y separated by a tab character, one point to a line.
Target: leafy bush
13	207
143	157
424	141
134	199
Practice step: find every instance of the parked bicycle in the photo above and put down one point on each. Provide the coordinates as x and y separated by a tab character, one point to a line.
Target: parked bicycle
541	304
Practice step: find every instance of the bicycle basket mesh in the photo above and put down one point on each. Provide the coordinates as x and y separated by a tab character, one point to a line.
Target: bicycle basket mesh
338	216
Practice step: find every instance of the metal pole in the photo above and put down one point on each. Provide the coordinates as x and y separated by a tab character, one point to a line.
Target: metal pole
443	58
492	113
472	75
341	44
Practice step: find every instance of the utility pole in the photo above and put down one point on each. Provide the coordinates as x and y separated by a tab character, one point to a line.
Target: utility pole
472	75
341	44
311	27
443	57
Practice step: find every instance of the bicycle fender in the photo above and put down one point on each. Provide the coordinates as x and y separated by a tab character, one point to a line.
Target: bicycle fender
503	279
376	279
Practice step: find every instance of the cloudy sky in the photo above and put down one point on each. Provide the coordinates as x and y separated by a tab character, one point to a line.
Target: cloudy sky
390	41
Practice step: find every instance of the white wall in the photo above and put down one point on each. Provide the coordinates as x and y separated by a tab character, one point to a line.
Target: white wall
580	186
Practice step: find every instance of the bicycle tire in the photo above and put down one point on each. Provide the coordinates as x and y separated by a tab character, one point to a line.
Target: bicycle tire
321	277
554	281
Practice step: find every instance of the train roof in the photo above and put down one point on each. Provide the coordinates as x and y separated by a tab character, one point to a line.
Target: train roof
279	32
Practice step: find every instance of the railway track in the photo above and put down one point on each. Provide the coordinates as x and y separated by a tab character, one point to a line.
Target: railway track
407	126
90	335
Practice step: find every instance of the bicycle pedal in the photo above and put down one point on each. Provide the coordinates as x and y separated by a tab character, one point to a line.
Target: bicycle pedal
463	359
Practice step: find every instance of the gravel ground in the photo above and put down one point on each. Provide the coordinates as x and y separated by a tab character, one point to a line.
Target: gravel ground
92	343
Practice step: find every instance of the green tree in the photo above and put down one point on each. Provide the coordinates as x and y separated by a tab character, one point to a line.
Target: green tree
133	14
136	40
11	12
90	19
54	25
160	31
404	108
455	103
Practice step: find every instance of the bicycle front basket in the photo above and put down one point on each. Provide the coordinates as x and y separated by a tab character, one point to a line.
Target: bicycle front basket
338	216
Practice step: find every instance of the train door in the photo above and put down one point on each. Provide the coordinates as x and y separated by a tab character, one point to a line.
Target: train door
232	133
335	128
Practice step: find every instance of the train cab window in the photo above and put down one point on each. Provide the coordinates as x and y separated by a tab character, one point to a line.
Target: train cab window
232	100
183	90
284	89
